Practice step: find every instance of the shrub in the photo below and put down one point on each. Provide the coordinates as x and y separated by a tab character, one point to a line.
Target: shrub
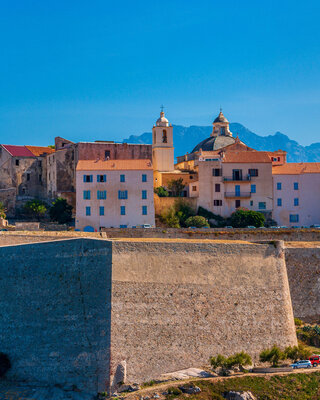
297	322
238	359
273	355
183	211
299	352
243	218
35	208
161	191
174	390
169	218
209	215
61	211
197	221
3	211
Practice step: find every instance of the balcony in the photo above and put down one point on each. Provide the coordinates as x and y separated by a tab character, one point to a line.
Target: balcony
246	178
237	195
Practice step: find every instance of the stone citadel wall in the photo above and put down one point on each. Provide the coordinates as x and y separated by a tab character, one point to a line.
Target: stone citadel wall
303	266
55	312
176	304
72	310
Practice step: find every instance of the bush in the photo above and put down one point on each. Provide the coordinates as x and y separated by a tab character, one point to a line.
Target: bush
35	208
61	211
174	390
297	322
299	352
183	211
273	355
243	218
169	218
3	211
209	215
197	221
238	359
161	191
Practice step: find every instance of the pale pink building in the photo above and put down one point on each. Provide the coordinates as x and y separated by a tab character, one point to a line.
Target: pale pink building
114	193
296	194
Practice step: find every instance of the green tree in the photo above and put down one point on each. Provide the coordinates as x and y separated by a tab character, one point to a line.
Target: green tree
273	355
169	218
3	211
183	211
197	221
176	186
219	361
241	359
242	218
35	208
61	211
161	191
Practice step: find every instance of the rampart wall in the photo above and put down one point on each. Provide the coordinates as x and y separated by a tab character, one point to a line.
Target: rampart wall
55	312
175	304
303	266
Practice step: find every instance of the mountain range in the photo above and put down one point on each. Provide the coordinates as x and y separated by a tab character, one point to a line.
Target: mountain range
186	138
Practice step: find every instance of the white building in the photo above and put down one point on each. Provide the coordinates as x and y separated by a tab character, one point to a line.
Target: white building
114	193
296	194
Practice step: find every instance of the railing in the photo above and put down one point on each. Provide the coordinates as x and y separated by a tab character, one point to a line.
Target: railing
237	195
246	178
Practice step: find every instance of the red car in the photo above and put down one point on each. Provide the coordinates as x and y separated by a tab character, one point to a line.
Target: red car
315	360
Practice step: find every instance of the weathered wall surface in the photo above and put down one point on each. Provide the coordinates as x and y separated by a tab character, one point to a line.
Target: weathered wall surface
163	203
176	304
303	266
55	312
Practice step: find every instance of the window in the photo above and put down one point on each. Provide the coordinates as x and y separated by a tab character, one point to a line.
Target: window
251	203
296	201
88	211
144	195
237	174
194	188
222	130
191	177
237	203
253	172
144	177
122	194
28	176
123	210
144	210
294	217
86	195
40	163
101	210
123	226
216	172
274	158
262	205
279	186
101	194
122	178
17	163
278	158
295	185
217	187
253	189
107	154
279	202
87	178
40	178
101	178
164	136
217	203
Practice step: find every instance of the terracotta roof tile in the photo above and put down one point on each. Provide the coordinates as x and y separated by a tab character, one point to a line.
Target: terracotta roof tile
111	165
40	150
246	157
296	169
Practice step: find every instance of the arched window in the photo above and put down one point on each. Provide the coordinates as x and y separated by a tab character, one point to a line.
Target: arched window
164	136
154	137
222	131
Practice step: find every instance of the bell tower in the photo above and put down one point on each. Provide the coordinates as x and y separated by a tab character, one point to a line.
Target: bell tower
162	145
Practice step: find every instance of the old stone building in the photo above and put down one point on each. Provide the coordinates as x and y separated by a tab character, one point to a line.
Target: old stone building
23	174
61	166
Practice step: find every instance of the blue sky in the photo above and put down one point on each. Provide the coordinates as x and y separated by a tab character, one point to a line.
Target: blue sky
101	69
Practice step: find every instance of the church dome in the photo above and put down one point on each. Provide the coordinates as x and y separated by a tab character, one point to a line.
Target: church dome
162	121
221	118
214	143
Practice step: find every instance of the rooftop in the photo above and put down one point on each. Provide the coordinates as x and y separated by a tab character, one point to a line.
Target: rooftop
27	151
246	157
112	165
296	168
